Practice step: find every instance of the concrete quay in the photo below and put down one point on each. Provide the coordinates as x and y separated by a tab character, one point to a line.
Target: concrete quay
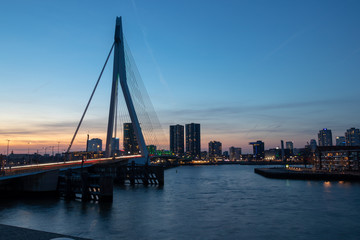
307	174
17	233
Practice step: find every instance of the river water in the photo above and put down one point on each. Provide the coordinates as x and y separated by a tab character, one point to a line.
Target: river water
204	202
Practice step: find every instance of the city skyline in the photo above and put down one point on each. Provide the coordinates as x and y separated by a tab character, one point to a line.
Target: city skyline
245	71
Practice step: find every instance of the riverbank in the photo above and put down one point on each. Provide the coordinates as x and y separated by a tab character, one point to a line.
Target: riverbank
307	174
18	233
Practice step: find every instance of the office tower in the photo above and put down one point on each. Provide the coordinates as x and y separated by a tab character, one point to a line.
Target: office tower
313	145
114	145
94	145
290	146
215	149
258	149
235	153
282	151
325	137
352	137
193	139
340	141
131	145
177	139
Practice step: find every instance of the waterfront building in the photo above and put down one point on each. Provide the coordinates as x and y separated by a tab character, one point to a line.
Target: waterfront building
94	145
338	158
340	141
258	149
352	137
313	145
177	139
290	146
215	149
115	144
235	153
226	154
152	149
325	137
193	139
131	145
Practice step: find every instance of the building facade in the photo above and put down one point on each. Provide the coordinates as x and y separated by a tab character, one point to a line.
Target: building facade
258	149
340	141
338	158
131	145
325	137
177	139
290	146
193	140
215	149
235	153
94	145
352	137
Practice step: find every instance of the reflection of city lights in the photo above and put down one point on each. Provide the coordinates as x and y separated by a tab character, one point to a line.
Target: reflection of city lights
341	182
327	184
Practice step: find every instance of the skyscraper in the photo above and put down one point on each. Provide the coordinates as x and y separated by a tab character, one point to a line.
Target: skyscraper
290	146
215	149
177	139
258	149
94	145
340	141
352	136
193	139
131	145
325	137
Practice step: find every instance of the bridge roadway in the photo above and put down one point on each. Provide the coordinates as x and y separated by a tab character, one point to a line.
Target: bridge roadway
31	168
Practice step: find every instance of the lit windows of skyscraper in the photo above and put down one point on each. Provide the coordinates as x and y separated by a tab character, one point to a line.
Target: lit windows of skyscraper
290	146
215	149
325	137
340	141
131	145
258	149
94	145
177	139
193	139
352	136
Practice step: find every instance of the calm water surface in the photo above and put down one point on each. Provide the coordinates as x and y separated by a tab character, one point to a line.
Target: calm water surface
206	202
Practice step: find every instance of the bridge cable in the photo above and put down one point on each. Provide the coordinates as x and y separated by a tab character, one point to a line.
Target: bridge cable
92	94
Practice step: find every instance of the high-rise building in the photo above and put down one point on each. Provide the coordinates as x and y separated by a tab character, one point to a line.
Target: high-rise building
131	145
235	153
352	136
340	141
258	149
313	145
193	139
114	144
94	145
325	137
290	146
215	149
177	139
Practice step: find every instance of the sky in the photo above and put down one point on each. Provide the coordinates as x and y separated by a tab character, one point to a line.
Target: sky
245	70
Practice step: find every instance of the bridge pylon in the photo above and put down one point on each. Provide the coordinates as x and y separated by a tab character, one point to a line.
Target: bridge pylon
119	76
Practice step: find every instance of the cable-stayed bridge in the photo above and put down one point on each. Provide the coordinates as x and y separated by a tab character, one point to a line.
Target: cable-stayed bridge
136	112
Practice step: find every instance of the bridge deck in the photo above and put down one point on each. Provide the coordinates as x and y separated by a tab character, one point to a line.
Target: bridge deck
35	168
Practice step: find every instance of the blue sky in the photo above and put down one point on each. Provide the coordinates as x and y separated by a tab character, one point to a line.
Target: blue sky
244	70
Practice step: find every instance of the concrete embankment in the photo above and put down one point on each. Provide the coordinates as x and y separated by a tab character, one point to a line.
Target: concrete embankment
18	233
284	173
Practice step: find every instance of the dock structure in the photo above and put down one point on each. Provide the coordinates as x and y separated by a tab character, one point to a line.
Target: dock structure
307	174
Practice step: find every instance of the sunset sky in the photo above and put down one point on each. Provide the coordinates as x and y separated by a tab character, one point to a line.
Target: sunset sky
245	70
